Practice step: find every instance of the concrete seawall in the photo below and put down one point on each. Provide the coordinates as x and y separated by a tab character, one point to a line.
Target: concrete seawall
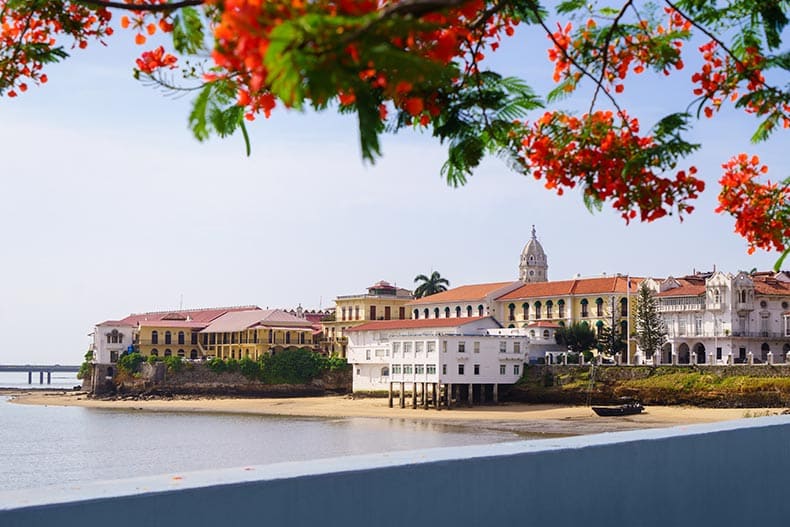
732	473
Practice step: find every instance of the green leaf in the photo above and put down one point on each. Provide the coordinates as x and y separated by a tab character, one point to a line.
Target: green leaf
781	260
188	31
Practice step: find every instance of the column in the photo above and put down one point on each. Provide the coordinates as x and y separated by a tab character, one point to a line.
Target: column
30	376
470	398
437	391
49	377
414	395
425	395
448	392
496	393
389	395
402	394
41	377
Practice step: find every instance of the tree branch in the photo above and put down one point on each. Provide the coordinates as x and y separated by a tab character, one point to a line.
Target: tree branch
149	8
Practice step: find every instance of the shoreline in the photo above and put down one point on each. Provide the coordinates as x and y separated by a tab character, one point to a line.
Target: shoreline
549	420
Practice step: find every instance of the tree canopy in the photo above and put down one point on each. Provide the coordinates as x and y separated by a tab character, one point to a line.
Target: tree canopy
430	285
422	64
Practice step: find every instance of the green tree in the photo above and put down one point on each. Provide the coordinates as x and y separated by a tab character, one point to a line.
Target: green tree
430	285
609	341
651	332
578	337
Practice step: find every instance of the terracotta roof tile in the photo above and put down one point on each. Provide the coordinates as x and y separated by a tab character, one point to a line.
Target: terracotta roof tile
684	290
464	293
379	325
241	320
577	286
199	315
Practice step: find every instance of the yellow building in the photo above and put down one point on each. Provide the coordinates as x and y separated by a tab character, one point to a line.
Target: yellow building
383	301
600	302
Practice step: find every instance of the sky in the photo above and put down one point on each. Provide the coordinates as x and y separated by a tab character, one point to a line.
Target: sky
111	207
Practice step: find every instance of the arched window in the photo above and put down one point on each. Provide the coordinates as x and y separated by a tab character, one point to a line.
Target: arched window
525	308
599	327
287	337
546	334
480	310
623	307
385	371
436	312
416	313
155	352
168	338
457	311
447	312
168	353
181	353
537	310
426	312
549	306
598	307
469	311
624	329
561	308
584	303
532	333
511	309
343	313
716	296
154	337
193	354
180	337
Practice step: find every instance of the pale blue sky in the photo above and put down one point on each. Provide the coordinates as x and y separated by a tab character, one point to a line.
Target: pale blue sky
111	207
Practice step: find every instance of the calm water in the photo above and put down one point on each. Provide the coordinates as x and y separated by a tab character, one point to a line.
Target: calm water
48	445
60	381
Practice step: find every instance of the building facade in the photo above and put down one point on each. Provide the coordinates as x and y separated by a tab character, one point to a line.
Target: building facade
383	301
721	318
533	265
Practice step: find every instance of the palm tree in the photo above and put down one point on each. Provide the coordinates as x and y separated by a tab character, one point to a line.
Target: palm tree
430	285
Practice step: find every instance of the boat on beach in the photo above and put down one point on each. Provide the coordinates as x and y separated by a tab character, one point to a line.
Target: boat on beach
630	407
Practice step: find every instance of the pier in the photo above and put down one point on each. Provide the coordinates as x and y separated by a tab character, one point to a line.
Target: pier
40	368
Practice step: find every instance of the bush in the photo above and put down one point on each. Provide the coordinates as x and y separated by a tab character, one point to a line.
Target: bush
292	367
174	363
85	367
130	362
335	363
153	359
251	369
216	365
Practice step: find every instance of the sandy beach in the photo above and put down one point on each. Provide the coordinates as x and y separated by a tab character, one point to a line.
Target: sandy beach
530	419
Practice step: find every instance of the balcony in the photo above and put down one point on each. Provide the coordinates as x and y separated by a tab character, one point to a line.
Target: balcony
759	334
692	306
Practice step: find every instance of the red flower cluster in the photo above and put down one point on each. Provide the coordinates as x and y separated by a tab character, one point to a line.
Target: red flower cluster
761	210
150	61
607	158
630	51
29	30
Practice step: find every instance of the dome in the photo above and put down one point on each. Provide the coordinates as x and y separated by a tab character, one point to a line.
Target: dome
533	266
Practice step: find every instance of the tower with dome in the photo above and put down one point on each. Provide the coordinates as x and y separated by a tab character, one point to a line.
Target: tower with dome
533	266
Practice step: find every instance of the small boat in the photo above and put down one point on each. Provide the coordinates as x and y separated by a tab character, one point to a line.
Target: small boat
627	408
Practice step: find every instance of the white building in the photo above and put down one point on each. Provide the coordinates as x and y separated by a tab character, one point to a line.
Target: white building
720	318
110	340
460	356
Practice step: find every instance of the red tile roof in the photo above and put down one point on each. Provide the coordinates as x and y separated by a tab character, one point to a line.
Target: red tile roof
577	286
173	324
379	325
197	315
241	320
684	290
464	293
543	324
770	286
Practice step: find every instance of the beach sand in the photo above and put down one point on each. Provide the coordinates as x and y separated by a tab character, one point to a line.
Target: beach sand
549	420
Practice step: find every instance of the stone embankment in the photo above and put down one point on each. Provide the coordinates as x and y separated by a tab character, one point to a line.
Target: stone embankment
198	379
737	386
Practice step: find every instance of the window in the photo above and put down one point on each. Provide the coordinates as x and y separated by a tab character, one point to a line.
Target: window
698	325
406	347
511	309
525	308
461	346
545	334
181	353
476	346
431	345
372	313
343	312
458	312
193	354
430	369
532	333
502	346
516	369
402	313
716	296
763	304
477	369
436	312
599	307
460	369
387	312
584	308
407	369
395	348
561	308
180	337
367	354
537	310
385	372
418	346
502	369
168	338
155	352
444	369
469	311
416	314
194	338
154	337
287	337
168	353
447	312
396	369
426	313
356	312
480	310
444	346
419	369
624	307
549	306
517	347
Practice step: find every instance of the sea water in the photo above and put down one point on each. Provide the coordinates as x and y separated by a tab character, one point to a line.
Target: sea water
53	445
59	380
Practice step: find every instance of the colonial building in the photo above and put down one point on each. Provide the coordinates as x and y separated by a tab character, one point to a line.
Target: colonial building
383	301
471	354
475	300
720	318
